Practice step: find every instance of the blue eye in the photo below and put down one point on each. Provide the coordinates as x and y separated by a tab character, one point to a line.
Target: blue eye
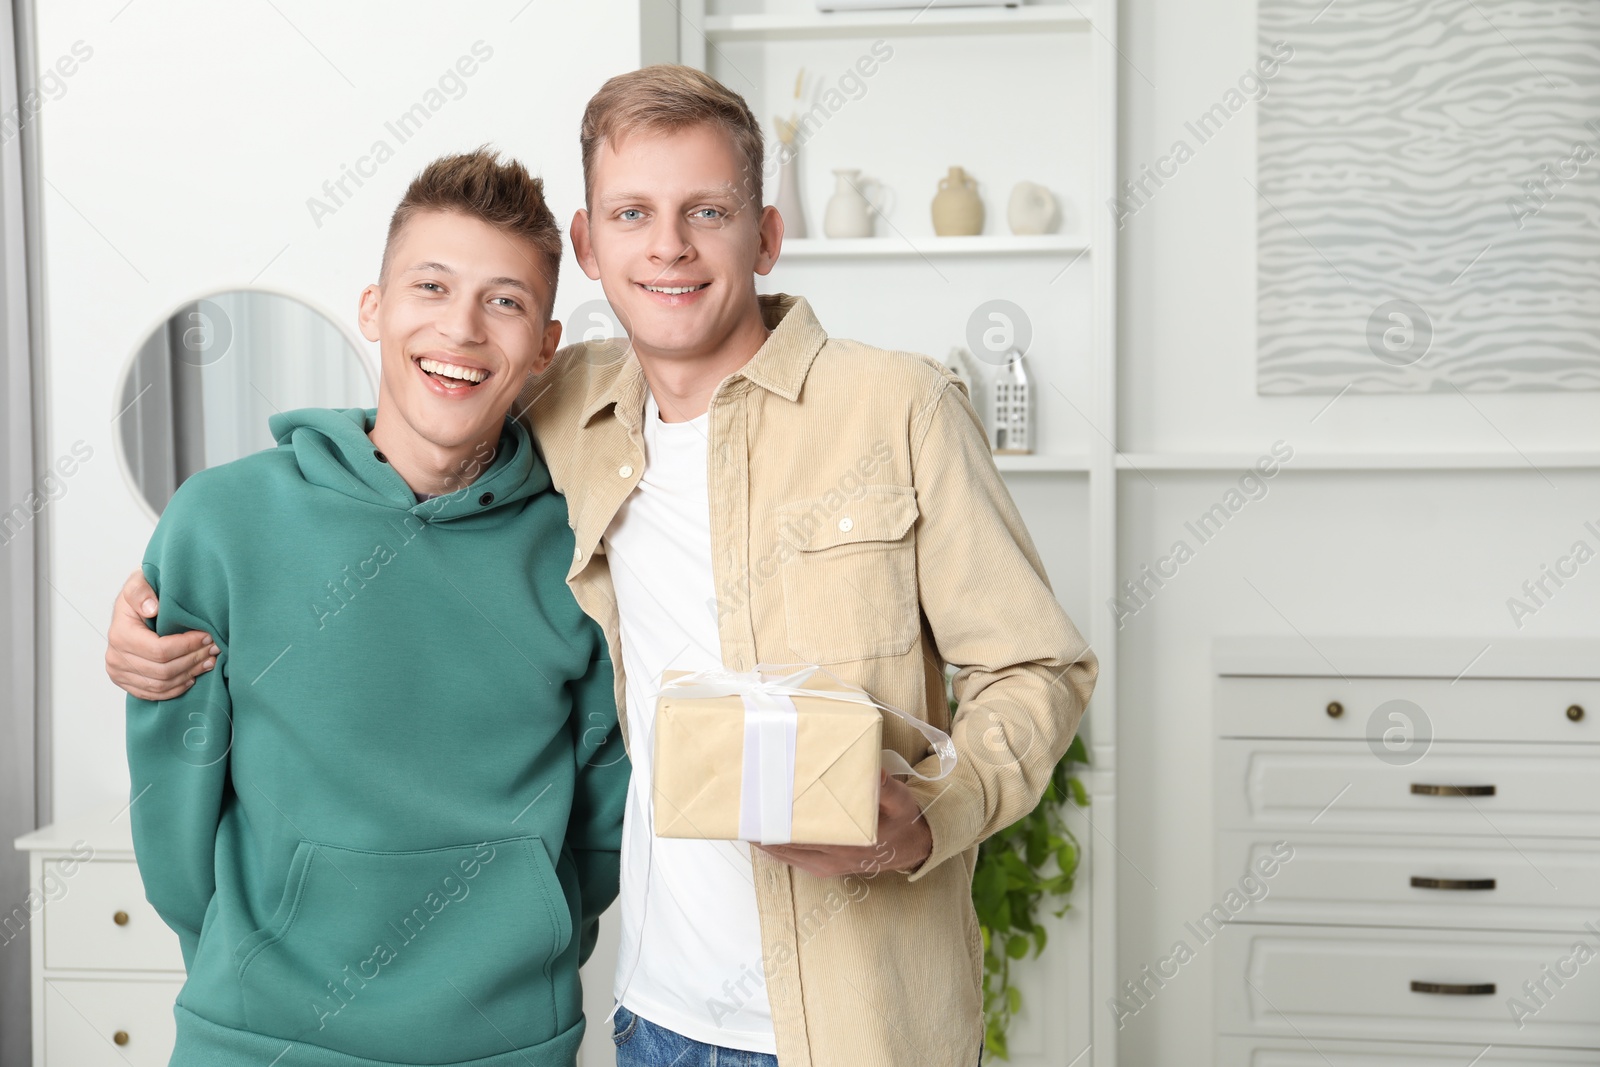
709	213
508	302
625	214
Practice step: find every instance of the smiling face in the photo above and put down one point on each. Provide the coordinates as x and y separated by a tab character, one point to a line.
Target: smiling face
675	243
462	317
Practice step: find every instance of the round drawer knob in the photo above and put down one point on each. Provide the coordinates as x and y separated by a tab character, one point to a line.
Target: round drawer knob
1575	713
1335	709
120	1037
120	918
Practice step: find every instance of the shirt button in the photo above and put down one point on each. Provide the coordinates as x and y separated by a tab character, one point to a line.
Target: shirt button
846	525
625	471
577	553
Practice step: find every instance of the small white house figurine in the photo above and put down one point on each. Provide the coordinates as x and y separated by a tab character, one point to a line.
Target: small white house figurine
1010	402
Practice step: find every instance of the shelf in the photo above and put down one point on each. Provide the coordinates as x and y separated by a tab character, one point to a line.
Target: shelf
1362	461
881	247
904	22
1042	463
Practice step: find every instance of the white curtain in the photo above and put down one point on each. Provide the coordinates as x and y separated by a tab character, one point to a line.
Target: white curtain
23	701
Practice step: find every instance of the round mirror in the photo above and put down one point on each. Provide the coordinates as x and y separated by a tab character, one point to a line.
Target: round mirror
200	388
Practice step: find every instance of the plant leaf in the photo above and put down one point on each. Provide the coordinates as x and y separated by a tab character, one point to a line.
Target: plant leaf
1011	879
996	1041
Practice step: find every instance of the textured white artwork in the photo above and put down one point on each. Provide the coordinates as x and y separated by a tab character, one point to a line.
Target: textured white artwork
1429	197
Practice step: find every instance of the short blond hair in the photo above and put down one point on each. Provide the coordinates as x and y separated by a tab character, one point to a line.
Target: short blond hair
664	98
478	185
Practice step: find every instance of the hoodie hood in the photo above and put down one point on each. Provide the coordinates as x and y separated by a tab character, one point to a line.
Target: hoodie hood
332	450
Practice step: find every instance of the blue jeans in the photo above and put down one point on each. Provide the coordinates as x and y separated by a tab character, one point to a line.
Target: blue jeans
641	1043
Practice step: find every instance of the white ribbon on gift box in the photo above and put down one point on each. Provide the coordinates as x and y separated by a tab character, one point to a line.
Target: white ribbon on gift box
766	789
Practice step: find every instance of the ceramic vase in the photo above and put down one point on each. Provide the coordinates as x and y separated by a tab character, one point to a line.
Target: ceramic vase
957	209
788	199
1032	210
849	212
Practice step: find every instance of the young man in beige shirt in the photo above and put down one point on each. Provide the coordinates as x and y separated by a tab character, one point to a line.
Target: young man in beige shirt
746	490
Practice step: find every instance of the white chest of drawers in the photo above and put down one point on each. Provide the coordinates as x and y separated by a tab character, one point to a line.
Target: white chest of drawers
106	969
1442	901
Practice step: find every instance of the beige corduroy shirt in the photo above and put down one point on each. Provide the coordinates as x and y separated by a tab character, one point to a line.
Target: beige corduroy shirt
858	522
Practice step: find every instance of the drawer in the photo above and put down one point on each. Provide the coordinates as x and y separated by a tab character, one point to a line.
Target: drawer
1300	787
83	1020
81	931
1295	1052
1472	709
1368	879
1357	982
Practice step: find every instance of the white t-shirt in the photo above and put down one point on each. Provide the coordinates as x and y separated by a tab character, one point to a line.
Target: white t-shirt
690	958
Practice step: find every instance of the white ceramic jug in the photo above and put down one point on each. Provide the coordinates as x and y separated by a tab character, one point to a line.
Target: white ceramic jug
850	210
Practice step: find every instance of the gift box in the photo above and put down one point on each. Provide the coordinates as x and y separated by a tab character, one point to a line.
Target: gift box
772	756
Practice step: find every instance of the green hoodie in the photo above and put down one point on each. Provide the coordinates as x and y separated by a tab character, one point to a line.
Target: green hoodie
379	823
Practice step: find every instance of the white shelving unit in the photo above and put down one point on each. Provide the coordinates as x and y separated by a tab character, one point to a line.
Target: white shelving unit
1020	93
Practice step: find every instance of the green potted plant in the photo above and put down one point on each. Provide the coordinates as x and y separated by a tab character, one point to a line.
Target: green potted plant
1034	858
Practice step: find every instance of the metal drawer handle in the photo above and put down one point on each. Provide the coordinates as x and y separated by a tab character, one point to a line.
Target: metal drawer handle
120	918
120	1037
1418	882
1452	790
1445	989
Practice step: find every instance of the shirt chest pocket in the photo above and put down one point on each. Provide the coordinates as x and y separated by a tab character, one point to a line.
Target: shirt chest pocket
850	575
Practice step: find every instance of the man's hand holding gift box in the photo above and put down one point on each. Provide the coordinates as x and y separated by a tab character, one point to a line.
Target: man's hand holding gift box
788	758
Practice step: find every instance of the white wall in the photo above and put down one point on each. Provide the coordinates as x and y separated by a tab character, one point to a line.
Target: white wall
1327	553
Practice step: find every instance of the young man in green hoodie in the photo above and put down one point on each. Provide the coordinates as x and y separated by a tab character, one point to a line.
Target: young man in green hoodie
380	840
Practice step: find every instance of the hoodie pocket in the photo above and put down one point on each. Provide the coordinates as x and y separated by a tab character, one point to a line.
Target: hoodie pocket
432	956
